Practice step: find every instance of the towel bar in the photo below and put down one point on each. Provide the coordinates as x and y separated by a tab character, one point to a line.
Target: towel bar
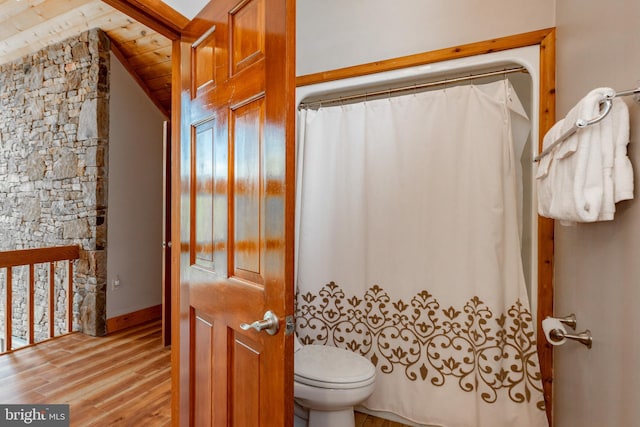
606	104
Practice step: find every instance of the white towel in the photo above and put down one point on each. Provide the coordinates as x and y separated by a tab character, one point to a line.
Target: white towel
570	180
616	167
622	169
544	181
584	176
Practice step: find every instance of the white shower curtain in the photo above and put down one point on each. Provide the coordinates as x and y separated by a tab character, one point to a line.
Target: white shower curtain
409	253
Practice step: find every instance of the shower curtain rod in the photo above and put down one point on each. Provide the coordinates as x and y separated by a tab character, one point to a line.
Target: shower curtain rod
412	87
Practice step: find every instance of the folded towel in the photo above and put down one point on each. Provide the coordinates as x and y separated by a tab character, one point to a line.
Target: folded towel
622	169
616	167
584	176
574	172
544	181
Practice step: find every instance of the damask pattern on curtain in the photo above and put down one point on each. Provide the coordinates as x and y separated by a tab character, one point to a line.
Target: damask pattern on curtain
409	253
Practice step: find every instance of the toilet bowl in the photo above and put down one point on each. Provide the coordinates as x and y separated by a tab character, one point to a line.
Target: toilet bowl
328	383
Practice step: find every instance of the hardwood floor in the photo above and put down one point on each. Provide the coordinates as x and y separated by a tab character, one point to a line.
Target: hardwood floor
364	420
121	380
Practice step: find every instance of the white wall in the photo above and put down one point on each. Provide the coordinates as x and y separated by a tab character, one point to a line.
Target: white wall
337	33
597	265
134	217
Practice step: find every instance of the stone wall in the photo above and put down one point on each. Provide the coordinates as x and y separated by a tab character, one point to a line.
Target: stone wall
53	168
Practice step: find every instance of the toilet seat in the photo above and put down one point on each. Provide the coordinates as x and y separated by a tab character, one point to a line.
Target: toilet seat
332	368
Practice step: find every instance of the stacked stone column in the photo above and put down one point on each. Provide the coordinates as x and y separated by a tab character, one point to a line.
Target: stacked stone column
53	167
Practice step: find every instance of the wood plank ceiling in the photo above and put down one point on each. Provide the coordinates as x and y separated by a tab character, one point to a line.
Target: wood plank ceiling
27	26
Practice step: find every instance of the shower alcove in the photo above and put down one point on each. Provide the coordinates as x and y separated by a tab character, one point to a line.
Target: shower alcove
535	237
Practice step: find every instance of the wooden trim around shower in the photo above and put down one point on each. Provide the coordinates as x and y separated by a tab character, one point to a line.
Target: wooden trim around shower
462	51
545	225
546	40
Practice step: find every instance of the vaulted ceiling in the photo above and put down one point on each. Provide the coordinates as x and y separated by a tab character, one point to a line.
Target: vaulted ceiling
140	31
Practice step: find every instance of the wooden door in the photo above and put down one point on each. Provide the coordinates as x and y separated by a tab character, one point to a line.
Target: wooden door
235	208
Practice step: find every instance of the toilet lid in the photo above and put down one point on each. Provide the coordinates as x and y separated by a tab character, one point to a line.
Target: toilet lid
318	364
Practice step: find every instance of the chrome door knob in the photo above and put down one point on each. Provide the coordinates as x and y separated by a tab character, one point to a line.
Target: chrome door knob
270	324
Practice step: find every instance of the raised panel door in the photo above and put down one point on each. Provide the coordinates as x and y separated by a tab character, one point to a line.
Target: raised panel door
235	175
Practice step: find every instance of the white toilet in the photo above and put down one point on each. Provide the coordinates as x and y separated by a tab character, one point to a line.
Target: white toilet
328	383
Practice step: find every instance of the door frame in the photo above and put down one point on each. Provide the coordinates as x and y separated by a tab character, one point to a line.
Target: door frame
545	39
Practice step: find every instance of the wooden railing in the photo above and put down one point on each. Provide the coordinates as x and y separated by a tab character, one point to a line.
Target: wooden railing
30	258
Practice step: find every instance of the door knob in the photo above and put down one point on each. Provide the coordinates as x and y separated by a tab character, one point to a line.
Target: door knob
270	324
